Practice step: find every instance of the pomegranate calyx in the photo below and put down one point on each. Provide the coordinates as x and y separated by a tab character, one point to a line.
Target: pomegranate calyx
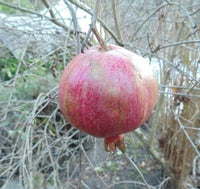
111	143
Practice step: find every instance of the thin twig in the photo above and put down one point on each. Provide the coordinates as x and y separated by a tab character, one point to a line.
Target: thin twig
145	20
138	170
179	43
158	9
182	127
92	25
15	78
75	22
53	163
116	18
194	165
128	182
92	166
165	61
150	148
53	16
163	182
180	94
81	6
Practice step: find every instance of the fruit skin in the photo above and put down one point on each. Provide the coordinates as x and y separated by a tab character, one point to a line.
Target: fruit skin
107	93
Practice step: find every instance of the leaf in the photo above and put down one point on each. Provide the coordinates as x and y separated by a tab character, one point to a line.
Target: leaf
99	169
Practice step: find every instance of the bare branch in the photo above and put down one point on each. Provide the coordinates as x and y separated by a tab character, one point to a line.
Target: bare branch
116	18
138	170
81	6
53	17
76	26
92	25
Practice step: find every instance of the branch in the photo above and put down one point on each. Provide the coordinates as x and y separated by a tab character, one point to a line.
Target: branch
53	17
179	43
144	21
92	166
75	22
83	7
169	63
153	152
138	170
116	19
161	6
155	121
92	26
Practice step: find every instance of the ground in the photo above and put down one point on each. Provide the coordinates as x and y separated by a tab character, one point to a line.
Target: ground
101	169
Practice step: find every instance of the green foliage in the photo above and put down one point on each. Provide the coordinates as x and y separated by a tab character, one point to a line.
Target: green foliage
22	3
112	166
8	67
100	170
132	146
29	78
29	86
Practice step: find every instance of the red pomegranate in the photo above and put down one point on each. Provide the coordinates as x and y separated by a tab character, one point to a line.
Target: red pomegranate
108	93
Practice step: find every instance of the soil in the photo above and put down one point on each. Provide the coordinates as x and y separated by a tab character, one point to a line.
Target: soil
101	169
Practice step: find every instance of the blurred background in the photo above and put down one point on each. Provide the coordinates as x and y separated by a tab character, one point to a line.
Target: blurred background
40	149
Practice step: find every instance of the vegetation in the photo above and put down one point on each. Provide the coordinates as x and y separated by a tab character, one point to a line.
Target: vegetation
39	148
22	3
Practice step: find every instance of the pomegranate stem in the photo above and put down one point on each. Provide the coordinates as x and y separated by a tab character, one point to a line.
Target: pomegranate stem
100	39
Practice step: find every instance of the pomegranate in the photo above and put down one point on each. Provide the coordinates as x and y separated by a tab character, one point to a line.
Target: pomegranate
108	93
